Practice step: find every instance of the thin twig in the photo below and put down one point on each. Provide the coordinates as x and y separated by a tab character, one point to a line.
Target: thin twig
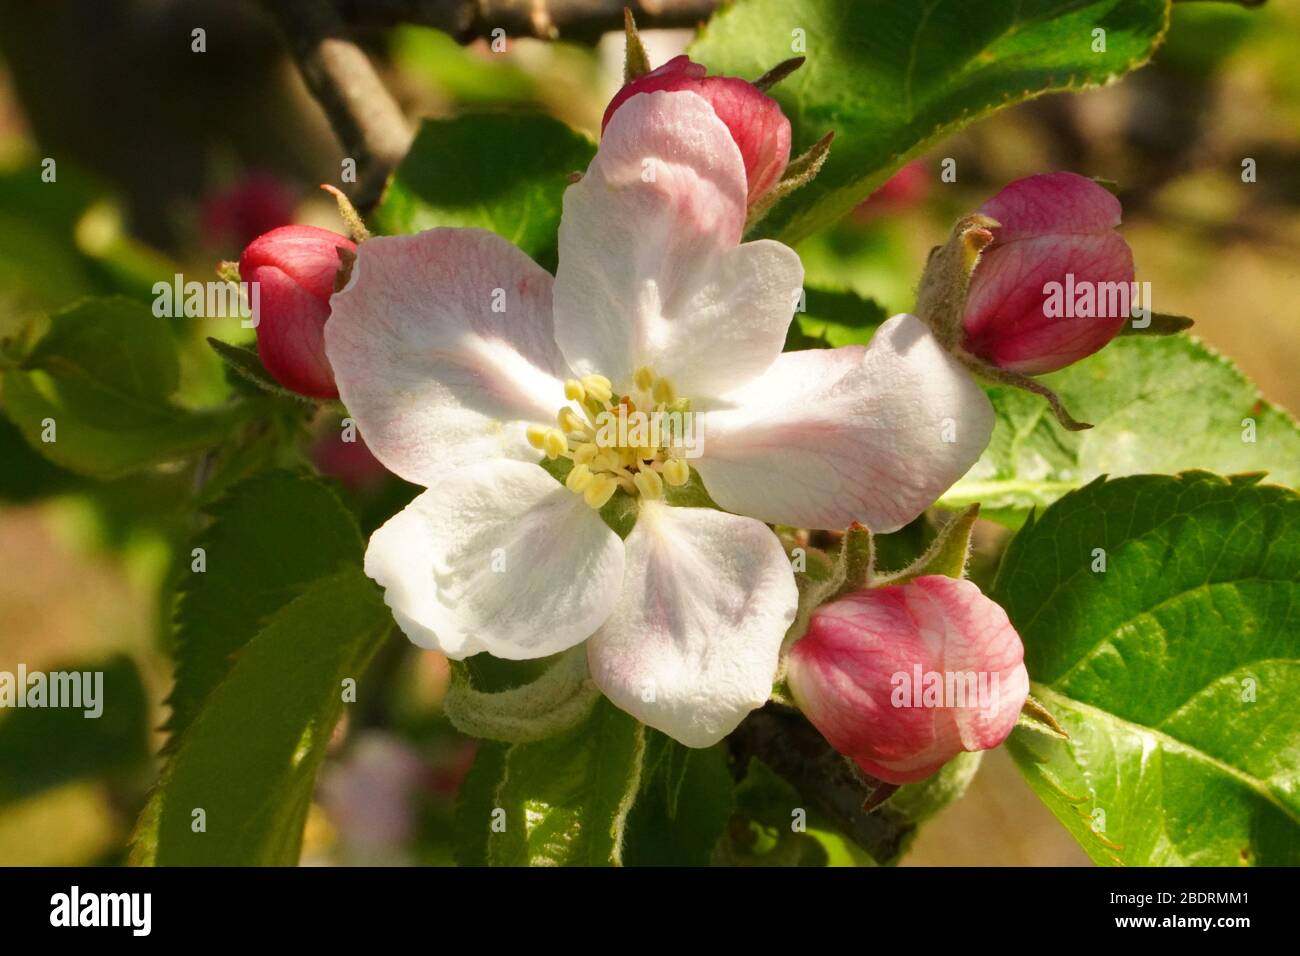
363	114
579	20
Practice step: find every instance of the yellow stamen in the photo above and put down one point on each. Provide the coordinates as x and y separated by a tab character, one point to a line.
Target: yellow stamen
663	391
601	489
570	422
676	472
598	387
554	443
574	391
644	379
649	484
536	435
579	478
584	453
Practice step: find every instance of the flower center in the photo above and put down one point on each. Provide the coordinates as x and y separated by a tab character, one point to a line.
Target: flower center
633	441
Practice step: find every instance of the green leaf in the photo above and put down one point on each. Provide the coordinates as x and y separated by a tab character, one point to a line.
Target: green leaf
46	747
249	759
498	171
763	831
476	801
1175	671
1158	406
834	317
891	77
946	555
566	798
103	373
685	803
271	537
247	364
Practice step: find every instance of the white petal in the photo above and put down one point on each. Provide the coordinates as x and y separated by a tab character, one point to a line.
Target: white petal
831	436
499	558
692	645
443	349
652	273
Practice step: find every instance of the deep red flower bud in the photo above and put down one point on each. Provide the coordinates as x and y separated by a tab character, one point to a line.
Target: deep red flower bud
294	267
755	120
903	678
1055	285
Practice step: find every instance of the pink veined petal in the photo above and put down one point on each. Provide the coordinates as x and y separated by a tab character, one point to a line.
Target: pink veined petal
651	270
443	349
759	128
1052	203
501	558
845	671
692	645
1005	321
827	437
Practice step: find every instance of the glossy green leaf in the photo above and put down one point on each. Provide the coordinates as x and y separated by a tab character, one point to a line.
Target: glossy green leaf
1161	622
249	759
499	171
93	394
566	799
271	537
1157	406
890	77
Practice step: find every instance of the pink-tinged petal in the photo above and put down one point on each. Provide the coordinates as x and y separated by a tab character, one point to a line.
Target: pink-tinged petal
443	348
1052	204
848	673
755	121
306	254
293	268
692	645
1007	320
651	270
291	333
499	558
1055	228
827	437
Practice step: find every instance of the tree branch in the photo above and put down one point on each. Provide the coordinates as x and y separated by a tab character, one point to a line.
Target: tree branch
793	748
365	117
580	20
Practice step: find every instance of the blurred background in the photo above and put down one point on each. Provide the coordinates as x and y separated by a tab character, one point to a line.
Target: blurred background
170	161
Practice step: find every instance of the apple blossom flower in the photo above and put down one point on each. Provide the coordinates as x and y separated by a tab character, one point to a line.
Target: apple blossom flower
1053	228
295	267
471	371
903	678
755	120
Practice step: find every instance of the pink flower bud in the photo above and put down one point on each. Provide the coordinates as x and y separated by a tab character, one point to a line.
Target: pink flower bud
755	120
238	214
899	193
903	678
294	267
1055	285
